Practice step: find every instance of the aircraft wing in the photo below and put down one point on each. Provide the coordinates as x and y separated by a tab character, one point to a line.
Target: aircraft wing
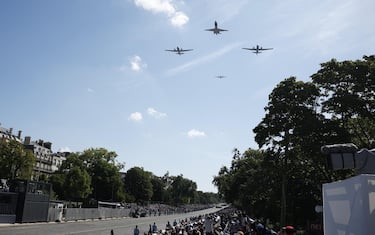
264	49
186	49
216	30
174	50
251	49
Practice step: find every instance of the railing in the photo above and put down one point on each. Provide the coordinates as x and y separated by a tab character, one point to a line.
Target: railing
73	214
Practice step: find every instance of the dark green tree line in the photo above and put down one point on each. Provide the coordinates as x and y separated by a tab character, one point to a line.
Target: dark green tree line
94	174
337	106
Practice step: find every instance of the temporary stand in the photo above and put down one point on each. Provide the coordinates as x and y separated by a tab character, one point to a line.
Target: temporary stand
349	205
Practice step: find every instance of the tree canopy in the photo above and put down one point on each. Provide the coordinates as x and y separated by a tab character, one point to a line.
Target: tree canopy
287	172
138	184
96	171
15	160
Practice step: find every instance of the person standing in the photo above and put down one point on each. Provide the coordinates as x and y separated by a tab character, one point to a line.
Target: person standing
136	230
154	228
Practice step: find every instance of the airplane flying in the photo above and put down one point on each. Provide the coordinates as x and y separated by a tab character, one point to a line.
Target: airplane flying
258	49
216	30
179	51
221	76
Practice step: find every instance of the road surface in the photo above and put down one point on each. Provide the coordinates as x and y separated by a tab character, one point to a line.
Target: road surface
120	226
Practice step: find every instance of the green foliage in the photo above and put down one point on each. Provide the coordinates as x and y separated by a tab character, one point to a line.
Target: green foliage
77	184
158	189
94	175
348	97
182	190
249	184
205	198
15	160
98	172
98	176
105	174
291	105
57	180
138	184
338	106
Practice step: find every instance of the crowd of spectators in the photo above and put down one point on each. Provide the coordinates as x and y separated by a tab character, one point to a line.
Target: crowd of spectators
225	222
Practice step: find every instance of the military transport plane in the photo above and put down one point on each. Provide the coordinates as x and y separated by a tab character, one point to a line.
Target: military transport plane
258	49
216	30
179	51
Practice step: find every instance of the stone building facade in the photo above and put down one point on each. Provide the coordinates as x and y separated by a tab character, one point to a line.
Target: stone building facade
46	160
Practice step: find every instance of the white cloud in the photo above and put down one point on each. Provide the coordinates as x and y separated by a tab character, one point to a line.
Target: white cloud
156	6
136	63
136	117
177	18
193	133
156	114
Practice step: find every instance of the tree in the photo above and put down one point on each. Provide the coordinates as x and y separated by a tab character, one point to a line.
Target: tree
138	184
348	97
103	171
158	189
226	182
15	160
206	198
338	106
57	181
77	184
283	130
222	182
106	181
182	190
251	183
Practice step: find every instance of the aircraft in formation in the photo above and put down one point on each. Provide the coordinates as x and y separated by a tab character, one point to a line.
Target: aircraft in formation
179	51
216	30
258	49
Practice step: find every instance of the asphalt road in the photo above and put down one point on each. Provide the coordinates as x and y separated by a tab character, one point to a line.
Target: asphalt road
123	226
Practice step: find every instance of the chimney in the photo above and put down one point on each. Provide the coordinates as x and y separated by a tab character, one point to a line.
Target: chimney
48	145
19	134
27	140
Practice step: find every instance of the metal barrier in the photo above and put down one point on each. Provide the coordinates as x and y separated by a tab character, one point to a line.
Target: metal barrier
8	206
72	214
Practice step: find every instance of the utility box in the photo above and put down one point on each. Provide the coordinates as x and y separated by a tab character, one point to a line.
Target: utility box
349	206
33	200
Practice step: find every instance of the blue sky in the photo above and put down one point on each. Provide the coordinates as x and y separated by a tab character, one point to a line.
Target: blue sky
94	73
